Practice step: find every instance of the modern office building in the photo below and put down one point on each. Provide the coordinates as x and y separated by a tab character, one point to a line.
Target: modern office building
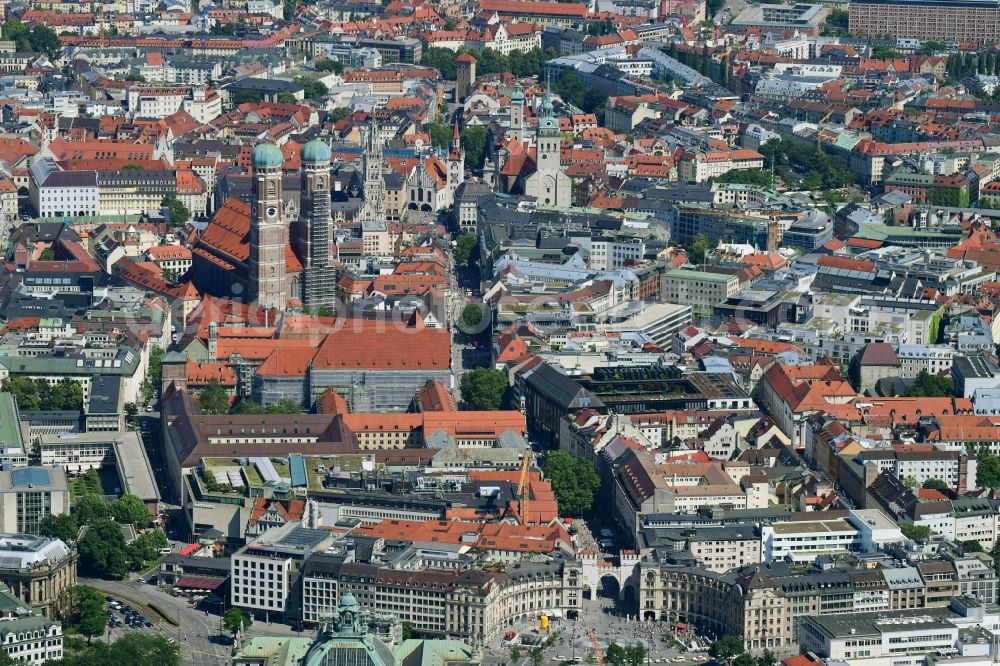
28	494
807	19
266	572
699	289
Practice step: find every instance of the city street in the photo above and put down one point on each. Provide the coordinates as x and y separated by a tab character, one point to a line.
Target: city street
198	633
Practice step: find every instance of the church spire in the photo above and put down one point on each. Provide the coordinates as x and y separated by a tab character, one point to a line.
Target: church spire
373	207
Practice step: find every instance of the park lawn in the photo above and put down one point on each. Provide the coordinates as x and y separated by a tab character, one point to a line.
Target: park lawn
221	462
87	483
150	565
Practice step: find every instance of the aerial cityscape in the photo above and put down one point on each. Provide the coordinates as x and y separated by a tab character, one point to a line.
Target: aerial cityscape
499	333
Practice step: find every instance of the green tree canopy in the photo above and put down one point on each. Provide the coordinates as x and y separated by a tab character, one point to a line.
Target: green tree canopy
746	177
934	484
40	38
329	66
838	18
930	386
574	482
129	509
440	134
284	406
23	390
145	547
87	611
59	526
443	60
465	247
213	398
987	468
472	316
66	394
90	509
571	89
635	654
484	388
474	143
536	656
313	89
102	550
138	649
972	546
340	113
698	248
235	619
801	165
247	97
914	531
726	648
177	212
287	98
615	655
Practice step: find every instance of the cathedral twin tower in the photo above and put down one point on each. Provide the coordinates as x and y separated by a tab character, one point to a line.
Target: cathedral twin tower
270	282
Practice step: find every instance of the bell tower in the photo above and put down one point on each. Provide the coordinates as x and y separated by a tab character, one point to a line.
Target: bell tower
315	225
268	233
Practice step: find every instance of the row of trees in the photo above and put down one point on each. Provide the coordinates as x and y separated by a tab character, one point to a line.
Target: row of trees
488	61
150	387
38	394
214	399
700	62
134	649
626	655
961	66
730	650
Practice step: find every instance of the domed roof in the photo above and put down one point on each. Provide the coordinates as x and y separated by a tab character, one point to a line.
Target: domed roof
266	155
315	152
348	603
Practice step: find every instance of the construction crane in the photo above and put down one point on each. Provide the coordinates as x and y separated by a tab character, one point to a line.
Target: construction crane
597	648
819	126
523	488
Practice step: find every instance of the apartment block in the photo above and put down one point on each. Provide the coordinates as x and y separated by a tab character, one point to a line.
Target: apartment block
964	21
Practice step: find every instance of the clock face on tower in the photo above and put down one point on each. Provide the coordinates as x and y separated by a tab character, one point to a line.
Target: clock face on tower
271	212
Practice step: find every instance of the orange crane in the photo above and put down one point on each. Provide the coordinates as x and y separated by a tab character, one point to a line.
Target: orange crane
523	488
597	648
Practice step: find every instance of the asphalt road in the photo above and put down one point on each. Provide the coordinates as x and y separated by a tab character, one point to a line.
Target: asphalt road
198	633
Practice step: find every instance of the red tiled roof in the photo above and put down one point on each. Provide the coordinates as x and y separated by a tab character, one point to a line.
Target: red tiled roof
409	347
